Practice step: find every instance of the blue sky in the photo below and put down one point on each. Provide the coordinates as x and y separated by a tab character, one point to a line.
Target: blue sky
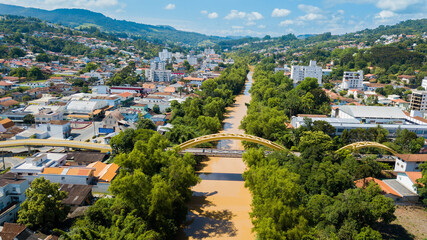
248	17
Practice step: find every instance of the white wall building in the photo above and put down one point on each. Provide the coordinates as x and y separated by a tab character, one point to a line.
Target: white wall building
409	162
158	72
424	83
60	129
69	175
352	80
34	165
12	194
419	101
192	60
299	73
165	55
85	107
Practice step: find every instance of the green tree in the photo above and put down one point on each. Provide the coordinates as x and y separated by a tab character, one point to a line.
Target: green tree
156	109
43	209
144	123
29	119
42	57
35	73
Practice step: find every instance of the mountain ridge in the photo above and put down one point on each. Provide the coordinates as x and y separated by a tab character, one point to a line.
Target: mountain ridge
75	17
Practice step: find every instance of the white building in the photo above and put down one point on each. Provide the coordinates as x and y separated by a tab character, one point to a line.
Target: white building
408	180
299	73
46	115
69	175
370	114
352	80
34	165
424	83
158	72
419	101
165	55
409	162
12	194
60	129
85	107
192	60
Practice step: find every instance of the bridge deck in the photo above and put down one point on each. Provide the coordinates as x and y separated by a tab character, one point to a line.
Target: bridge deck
56	143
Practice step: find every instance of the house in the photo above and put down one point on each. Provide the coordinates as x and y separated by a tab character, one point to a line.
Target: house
46	115
34	165
78	195
56	128
6	85
83	158
409	179
386	190
68	175
32	133
113	120
12	194
111	100
7	102
409	162
400	103
104	172
15	231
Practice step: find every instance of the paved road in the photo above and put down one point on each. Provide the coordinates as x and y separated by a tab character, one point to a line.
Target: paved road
84	134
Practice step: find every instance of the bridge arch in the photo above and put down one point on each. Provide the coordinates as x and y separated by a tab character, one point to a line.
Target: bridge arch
230	136
359	145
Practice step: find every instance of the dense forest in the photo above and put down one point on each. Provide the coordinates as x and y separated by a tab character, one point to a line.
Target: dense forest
313	195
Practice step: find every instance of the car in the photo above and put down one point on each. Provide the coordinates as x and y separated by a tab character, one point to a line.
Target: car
70	138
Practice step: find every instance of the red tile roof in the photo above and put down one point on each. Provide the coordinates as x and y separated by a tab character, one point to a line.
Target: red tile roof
384	187
413	157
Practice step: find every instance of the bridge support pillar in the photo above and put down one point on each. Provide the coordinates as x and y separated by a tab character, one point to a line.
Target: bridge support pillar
29	150
67	149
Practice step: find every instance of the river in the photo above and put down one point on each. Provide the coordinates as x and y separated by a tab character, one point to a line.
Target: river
220	205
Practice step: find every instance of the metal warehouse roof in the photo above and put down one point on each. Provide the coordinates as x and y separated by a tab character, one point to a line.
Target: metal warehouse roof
373	112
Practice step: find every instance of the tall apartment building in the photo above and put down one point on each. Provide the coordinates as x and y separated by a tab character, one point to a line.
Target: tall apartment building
158	72
352	80
192	60
165	55
424	83
419	101
299	73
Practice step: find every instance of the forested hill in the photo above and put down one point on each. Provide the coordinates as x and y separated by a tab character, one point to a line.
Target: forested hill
80	17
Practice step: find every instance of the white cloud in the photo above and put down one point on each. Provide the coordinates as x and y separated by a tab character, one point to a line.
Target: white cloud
170	6
280	12
311	17
237	27
250	23
234	14
252	16
385	14
397	5
340	11
204	12
213	15
286	23
309	8
262	26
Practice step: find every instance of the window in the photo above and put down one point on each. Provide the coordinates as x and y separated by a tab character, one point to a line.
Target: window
14	189
62	178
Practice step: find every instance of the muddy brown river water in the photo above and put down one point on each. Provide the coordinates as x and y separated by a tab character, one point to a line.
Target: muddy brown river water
220	205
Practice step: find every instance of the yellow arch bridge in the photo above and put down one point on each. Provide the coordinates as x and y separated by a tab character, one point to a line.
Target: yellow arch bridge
230	136
359	145
104	148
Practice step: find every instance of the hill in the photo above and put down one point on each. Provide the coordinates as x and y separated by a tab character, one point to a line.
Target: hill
82	18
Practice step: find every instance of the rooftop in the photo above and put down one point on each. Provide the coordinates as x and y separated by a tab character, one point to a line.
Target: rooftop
413	157
373	112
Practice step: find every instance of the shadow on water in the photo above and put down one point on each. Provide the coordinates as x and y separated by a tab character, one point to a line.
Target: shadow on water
202	224
221	176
